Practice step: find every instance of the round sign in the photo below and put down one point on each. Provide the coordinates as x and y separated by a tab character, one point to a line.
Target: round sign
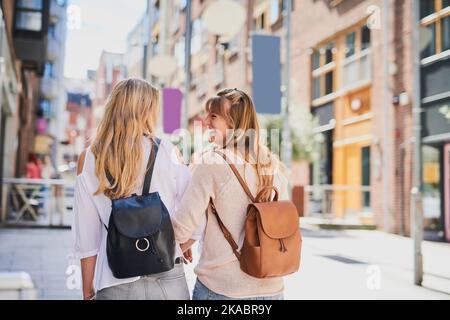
224	18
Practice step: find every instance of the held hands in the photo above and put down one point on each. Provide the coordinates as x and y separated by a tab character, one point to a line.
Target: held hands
187	251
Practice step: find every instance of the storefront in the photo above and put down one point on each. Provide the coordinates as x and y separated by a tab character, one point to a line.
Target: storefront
436	170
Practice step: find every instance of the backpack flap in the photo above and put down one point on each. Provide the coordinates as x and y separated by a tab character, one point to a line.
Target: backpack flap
138	216
279	219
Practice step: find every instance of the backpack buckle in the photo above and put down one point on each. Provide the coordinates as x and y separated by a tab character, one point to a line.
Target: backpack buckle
147	245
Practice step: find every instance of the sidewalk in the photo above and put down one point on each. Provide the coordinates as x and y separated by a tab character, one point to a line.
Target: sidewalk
335	265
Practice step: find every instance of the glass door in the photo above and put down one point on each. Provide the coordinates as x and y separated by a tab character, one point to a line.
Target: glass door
447	190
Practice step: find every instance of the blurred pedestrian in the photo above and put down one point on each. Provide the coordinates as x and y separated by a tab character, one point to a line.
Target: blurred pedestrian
33	167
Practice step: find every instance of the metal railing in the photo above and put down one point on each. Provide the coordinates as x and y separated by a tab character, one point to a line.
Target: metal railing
346	202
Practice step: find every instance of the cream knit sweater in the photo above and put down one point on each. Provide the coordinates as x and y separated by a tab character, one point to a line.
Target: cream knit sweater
218	268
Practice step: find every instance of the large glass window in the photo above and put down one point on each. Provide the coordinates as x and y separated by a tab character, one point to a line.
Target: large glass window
350	44
323	67
446	33
29	15
30	4
365	37
435	28
430	34
432	191
427	7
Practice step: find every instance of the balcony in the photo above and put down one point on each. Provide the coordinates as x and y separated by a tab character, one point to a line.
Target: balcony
53	50
30	35
49	88
57	12
357	70
219	76
202	86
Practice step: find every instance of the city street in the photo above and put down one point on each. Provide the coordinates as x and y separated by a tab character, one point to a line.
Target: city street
335	265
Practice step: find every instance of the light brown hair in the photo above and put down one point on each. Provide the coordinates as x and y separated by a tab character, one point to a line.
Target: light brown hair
240	116
131	112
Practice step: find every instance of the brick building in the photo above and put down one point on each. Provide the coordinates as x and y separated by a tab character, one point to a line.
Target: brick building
352	68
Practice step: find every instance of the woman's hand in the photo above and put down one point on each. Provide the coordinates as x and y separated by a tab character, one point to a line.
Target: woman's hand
187	251
89	295
188	244
187	256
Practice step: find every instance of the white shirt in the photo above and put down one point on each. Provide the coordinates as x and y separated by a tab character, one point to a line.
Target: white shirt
170	178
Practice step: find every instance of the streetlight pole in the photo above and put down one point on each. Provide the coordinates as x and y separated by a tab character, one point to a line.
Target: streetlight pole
146	36
286	142
187	82
187	65
416	198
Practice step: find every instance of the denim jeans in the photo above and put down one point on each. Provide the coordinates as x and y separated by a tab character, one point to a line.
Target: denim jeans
201	292
170	285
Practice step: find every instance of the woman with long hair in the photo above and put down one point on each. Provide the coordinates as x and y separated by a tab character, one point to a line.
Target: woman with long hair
232	119
113	167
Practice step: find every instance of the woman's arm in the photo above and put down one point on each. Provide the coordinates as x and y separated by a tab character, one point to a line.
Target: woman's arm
190	216
87	229
87	275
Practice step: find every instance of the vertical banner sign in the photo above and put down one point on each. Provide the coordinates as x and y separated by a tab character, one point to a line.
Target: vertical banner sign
266	74
172	99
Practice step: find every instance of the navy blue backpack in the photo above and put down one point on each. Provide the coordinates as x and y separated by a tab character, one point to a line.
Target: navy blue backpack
140	234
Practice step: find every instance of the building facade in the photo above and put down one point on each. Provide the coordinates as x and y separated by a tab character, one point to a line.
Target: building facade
23	44
351	66
110	71
50	116
435	115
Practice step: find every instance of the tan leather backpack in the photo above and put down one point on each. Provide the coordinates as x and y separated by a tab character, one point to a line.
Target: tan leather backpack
272	243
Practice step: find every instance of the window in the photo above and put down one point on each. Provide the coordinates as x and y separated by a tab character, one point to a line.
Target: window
197	33
275	10
30	4
356	67
155	45
29	15
46	108
52	30
323	71
435	26
430	49
350	44
48	70
259	23
446	33
365	37
427	7
365	174
179	51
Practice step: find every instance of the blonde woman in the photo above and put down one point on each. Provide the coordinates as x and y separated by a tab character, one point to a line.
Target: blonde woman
232	118
114	167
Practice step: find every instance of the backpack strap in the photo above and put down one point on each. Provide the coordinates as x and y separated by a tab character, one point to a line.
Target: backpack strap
238	176
149	170
225	232
151	165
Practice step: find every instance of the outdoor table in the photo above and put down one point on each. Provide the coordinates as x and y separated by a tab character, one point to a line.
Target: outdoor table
29	189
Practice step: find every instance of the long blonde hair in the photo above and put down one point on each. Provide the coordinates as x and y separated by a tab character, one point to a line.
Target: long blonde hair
240	116
131	112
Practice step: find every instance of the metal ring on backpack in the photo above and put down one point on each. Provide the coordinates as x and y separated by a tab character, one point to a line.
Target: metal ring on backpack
146	248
